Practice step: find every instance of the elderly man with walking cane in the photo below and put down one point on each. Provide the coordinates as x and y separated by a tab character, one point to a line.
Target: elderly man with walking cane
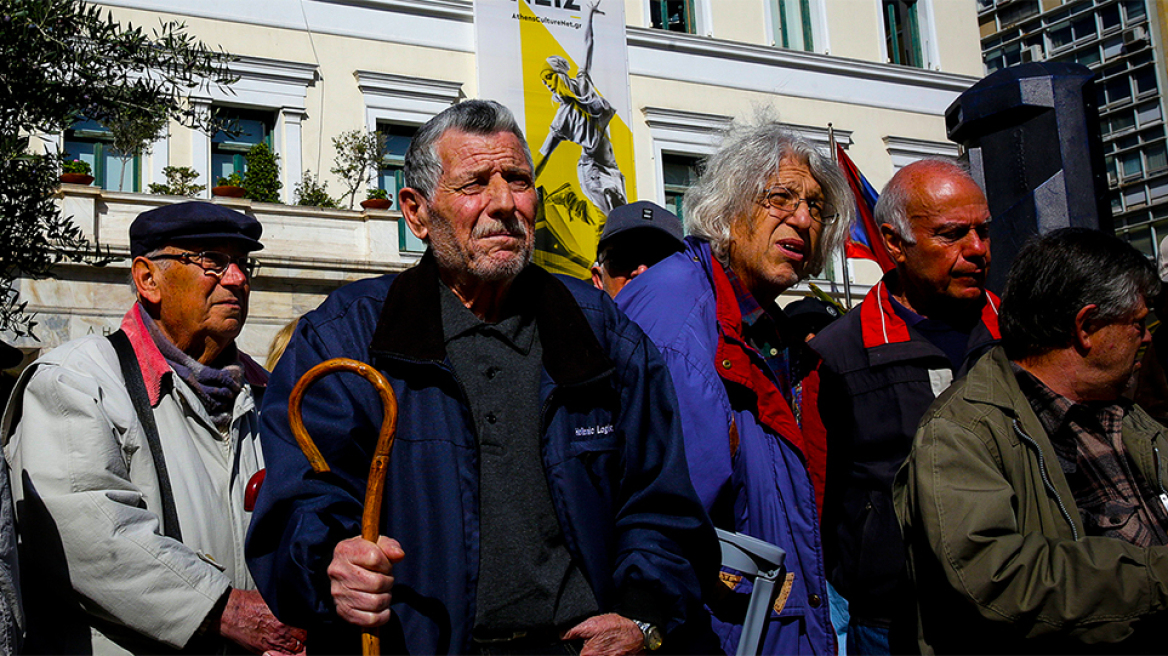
537	499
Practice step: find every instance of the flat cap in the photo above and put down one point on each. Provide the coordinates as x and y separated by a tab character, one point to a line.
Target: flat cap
642	214
193	220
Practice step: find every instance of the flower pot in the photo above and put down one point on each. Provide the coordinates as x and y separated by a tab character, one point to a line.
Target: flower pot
76	178
230	191
377	204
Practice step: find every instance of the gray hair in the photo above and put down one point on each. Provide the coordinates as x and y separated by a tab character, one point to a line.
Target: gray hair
892	206
162	264
423	166
738	173
1060	273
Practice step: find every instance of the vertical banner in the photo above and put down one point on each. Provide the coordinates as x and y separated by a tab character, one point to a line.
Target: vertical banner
562	67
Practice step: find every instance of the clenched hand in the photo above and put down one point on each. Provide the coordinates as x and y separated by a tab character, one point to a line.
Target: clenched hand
362	579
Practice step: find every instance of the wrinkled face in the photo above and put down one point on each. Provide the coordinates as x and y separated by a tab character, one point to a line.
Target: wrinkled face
481	220
197	305
769	250
1115	350
951	256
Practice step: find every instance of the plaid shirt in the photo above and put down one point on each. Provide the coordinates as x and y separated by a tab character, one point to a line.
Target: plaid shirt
762	328
1113	499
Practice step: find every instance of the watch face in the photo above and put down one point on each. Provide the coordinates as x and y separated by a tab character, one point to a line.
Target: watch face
653	638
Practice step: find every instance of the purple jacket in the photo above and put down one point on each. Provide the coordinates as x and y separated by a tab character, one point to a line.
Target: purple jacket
747	457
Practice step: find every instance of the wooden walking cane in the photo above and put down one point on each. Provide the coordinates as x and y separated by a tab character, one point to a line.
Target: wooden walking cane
375	489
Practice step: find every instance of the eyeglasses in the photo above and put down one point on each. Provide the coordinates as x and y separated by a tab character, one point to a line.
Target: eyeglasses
214	262
785	203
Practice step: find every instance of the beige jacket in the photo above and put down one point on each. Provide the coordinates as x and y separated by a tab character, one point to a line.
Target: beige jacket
96	571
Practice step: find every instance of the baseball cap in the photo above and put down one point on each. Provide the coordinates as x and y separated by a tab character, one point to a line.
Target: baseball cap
642	214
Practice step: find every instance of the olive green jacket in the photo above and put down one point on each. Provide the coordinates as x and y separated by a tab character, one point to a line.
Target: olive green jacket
996	547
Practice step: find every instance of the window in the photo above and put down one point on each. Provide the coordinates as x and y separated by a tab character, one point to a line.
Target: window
672	15
1149	113
1145	81
246	128
1016	12
1118	89
680	173
391	177
791	23
1135	10
91	142
1109	17
1157	157
1130	162
902	33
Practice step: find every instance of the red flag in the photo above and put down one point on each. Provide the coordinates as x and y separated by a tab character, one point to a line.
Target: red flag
865	241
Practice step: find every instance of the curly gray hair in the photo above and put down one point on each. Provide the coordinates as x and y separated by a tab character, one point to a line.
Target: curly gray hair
739	172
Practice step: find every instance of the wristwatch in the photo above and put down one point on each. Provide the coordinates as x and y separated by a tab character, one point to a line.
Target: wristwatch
653	637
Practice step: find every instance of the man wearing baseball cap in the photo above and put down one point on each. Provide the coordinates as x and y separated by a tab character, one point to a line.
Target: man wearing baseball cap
131	456
636	236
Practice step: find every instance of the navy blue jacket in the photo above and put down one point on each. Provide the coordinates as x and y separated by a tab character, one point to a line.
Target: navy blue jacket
878	376
611	444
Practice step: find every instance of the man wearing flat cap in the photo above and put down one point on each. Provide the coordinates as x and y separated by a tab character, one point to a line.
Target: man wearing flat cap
131	455
635	237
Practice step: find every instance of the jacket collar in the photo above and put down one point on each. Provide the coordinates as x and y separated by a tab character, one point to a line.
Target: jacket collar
735	363
410	325
880	324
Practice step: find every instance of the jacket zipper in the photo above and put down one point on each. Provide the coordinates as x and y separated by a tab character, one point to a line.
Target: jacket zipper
1046	480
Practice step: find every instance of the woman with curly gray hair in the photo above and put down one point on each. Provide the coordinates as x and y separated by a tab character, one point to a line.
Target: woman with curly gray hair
766	213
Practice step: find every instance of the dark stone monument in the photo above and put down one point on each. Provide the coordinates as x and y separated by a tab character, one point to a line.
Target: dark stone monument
1031	133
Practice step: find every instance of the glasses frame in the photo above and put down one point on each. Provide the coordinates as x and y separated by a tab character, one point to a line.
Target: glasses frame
247	265
815	212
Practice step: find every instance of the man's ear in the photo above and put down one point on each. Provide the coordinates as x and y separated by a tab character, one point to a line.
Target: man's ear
415	211
1085	327
145	274
597	279
893	242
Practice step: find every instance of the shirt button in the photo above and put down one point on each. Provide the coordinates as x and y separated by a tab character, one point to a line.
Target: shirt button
491	418
815	600
492	372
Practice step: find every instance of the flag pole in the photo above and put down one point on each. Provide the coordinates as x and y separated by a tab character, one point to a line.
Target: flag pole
844	246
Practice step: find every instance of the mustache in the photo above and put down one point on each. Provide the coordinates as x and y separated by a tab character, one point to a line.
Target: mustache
511	226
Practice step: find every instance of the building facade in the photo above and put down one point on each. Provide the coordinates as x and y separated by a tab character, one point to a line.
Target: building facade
877	71
1123	42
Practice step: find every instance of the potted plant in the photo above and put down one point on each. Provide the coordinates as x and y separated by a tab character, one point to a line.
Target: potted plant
376	199
75	171
230	186
359	156
312	192
262	178
180	181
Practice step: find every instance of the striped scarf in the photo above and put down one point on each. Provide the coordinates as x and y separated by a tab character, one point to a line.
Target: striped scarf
216	388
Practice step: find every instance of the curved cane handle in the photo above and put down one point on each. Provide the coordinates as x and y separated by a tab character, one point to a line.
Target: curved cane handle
375	488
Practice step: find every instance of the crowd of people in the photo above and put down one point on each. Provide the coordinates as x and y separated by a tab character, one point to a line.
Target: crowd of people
946	471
